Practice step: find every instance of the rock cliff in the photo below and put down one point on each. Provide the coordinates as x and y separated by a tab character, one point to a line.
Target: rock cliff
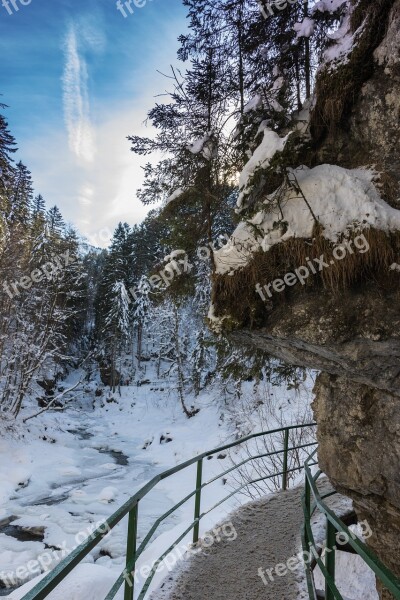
352	334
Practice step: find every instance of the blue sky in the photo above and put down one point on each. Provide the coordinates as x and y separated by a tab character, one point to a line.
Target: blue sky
78	78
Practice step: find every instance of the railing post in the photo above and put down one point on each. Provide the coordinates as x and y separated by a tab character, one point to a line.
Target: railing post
307	512
330	557
307	496
197	506
130	554
285	460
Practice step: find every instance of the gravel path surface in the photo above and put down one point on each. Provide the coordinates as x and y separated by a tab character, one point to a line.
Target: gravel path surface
268	533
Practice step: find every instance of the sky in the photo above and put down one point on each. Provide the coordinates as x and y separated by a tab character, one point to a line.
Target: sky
79	77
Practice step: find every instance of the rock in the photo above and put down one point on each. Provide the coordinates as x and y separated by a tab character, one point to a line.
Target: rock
351	336
361	453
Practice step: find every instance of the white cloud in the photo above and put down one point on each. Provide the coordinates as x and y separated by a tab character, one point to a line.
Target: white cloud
76	100
94	198
87	169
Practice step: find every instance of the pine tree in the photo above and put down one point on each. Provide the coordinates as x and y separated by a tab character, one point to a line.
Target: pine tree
7	149
141	312
117	329
55	221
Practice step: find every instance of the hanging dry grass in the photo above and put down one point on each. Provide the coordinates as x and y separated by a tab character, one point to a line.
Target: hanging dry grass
235	296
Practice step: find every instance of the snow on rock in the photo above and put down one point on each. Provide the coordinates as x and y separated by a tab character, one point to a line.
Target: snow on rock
330	6
344	41
261	158
87	581
341	199
108	494
14	554
305	28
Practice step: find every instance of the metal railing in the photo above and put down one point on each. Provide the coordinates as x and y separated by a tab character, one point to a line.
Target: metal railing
130	508
313	500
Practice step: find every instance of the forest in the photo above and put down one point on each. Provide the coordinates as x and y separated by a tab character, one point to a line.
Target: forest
65	304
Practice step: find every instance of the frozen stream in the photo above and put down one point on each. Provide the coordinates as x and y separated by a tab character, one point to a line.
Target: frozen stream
79	484
64	472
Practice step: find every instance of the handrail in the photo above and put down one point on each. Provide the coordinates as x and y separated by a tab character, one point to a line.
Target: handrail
58	574
335	525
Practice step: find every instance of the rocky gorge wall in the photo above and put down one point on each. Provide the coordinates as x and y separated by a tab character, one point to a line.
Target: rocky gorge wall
354	341
353	337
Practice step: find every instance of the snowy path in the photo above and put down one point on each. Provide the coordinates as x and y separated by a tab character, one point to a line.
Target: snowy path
268	533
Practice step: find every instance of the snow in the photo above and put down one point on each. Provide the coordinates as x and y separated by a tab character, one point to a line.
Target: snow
353	577
344	42
303	116
174	196
330	6
66	488
70	485
342	200
108	494
278	84
253	104
261	158
87	582
305	28
174	255
215	322
204	145
63	476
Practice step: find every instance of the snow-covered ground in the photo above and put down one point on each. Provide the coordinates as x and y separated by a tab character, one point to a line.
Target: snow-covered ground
63	472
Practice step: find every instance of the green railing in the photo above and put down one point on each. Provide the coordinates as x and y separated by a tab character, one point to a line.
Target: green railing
313	500
130	508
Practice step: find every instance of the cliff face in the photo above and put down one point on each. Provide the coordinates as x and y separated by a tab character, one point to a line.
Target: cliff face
353	336
354	340
367	131
357	406
359	447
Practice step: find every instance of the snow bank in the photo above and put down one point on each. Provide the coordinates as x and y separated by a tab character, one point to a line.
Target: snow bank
341	199
87	582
